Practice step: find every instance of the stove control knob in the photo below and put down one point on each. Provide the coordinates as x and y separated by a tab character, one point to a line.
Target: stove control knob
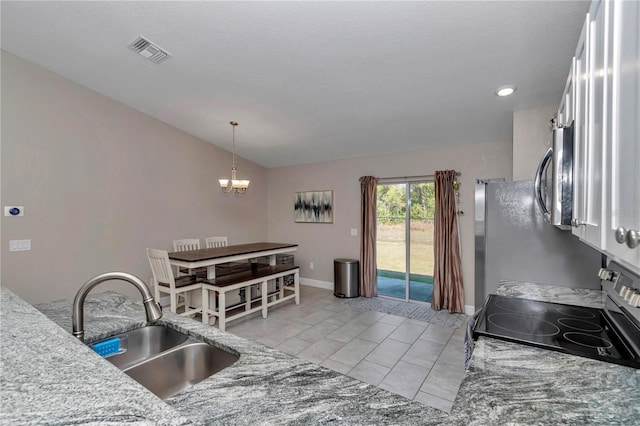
623	291
605	274
628	294
634	300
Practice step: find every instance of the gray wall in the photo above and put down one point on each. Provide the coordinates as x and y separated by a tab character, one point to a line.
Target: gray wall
321	243
100	182
521	246
531	138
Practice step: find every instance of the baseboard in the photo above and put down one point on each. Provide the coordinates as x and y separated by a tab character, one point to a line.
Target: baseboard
469	310
315	283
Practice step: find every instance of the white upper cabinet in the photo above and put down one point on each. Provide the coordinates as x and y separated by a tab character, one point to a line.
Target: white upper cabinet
606	110
622	214
588	145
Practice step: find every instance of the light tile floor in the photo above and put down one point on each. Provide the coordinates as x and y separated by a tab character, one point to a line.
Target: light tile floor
418	360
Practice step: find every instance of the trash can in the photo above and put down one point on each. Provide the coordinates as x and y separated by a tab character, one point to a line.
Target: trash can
346	277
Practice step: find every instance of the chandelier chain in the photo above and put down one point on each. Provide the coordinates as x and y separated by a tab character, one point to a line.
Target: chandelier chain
233	126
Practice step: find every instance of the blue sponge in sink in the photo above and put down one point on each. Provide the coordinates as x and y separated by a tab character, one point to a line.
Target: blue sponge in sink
108	347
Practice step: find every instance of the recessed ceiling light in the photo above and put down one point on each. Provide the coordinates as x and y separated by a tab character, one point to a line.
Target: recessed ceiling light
505	91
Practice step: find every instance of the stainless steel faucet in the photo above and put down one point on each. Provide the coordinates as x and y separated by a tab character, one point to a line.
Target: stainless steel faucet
152	309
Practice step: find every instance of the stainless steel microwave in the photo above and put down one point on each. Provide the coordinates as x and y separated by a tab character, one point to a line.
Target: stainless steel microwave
554	180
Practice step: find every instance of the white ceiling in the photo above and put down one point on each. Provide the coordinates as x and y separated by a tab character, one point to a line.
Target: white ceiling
311	81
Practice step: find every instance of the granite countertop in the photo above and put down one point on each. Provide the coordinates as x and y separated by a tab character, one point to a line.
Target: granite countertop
510	383
50	377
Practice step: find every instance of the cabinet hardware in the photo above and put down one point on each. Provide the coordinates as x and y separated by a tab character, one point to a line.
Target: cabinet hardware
621	235
575	222
633	238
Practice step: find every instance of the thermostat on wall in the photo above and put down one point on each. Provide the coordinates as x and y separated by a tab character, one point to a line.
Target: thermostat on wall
13	211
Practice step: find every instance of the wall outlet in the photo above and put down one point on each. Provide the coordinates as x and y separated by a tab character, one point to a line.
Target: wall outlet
354	232
310	265
19	245
13	211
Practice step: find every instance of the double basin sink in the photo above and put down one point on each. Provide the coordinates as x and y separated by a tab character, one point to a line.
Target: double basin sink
166	361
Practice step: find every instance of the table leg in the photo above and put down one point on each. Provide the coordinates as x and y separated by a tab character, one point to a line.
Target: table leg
205	306
281	282
296	286
211	272
222	310
187	301
247	298
265	290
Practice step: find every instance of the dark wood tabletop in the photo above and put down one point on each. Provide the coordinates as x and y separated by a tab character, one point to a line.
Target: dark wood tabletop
234	250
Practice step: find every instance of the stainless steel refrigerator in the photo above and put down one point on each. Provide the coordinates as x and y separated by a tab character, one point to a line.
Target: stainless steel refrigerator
513	242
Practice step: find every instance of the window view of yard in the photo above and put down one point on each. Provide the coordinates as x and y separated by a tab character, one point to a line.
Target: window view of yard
391	240
391	248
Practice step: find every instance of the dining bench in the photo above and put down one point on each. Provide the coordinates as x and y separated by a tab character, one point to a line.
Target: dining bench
252	275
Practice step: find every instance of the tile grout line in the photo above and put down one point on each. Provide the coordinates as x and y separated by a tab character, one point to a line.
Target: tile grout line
328	301
430	370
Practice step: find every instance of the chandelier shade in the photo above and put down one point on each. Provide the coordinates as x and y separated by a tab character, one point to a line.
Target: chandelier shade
235	185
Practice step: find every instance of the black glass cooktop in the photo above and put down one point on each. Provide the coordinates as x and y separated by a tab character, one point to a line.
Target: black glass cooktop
570	329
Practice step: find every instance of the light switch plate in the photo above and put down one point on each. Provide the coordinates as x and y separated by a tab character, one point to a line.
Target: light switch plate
19	245
354	232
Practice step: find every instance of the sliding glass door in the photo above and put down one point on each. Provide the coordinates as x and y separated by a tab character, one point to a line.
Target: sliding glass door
404	242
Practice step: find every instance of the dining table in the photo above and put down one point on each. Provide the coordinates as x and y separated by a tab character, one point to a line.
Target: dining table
210	257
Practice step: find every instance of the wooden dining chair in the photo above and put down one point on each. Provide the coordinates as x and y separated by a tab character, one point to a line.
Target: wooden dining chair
179	289
213	242
184	245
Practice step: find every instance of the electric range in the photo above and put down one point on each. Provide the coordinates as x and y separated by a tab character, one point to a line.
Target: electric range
611	334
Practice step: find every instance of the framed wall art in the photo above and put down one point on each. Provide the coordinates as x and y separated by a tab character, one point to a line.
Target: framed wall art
313	207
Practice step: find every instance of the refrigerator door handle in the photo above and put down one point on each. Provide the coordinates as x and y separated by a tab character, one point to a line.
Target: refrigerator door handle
537	184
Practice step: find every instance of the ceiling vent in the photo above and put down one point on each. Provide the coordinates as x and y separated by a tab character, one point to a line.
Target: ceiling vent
149	50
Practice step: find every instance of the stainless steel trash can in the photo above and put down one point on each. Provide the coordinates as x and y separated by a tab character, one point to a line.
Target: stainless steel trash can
346	277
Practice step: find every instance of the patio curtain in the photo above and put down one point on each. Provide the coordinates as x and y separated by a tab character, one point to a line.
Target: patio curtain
368	268
447	273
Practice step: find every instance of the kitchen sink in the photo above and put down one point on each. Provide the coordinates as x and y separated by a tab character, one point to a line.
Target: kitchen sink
180	367
165	360
145	342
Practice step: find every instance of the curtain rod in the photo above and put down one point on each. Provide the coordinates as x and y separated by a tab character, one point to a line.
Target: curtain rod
414	177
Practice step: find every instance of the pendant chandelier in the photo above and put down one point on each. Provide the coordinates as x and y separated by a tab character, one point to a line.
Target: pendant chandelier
238	186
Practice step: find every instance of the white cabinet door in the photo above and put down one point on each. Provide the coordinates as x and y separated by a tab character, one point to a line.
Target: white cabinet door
565	115
623	151
587	188
597	124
